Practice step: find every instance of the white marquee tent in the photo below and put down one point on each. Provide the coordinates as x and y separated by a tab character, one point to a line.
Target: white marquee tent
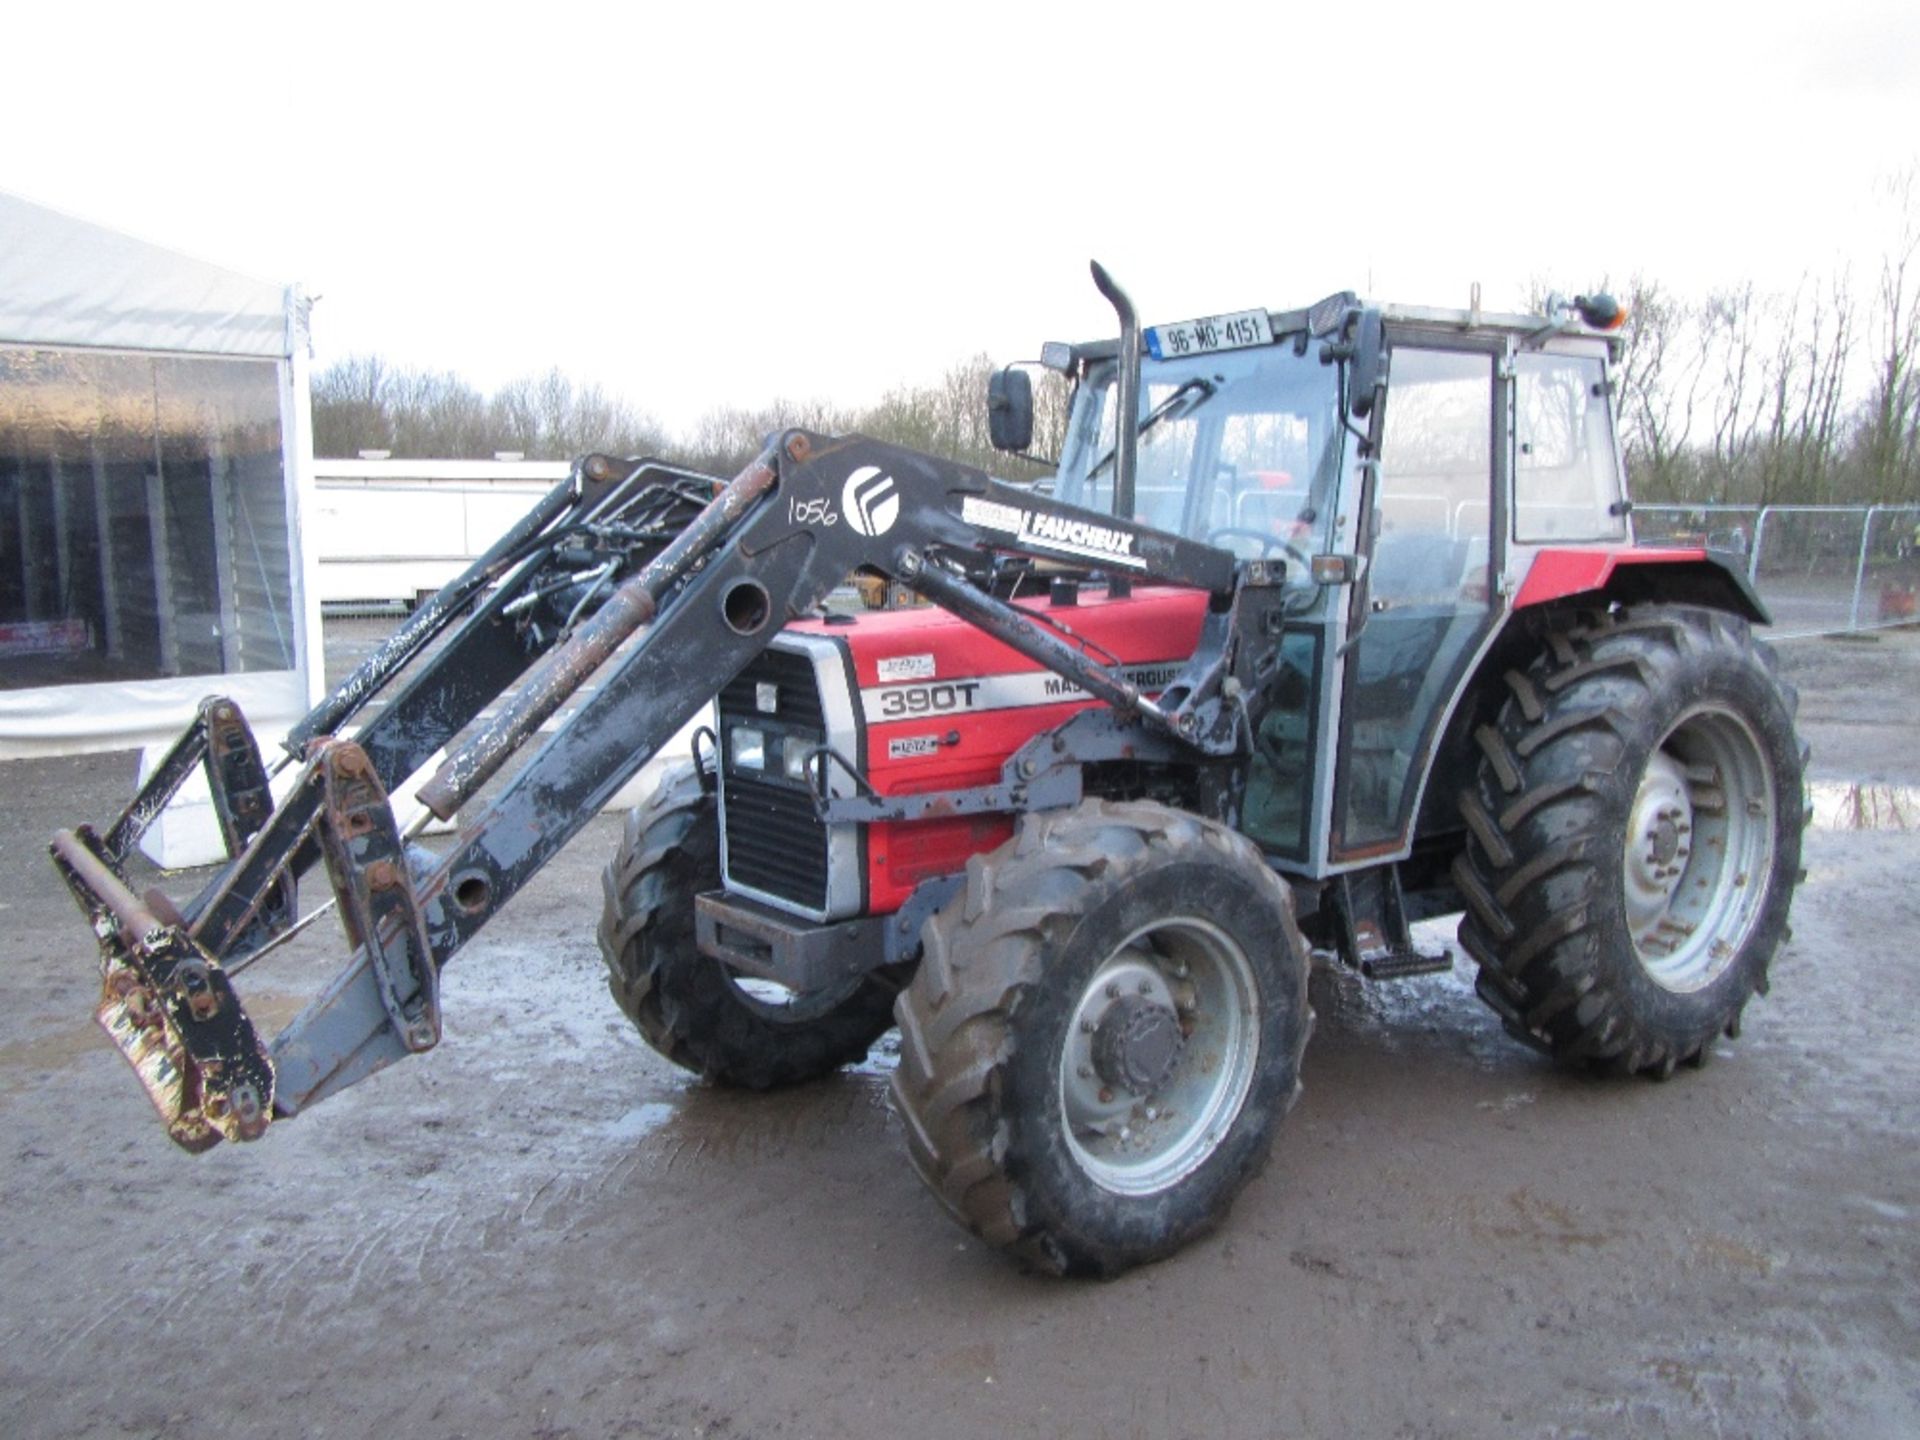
155	464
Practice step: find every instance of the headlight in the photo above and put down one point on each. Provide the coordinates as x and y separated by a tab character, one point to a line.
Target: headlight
794	754
749	748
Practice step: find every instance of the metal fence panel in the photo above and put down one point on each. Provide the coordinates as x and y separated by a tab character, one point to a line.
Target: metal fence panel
1888	589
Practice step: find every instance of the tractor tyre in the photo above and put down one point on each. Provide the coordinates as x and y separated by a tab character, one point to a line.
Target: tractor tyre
1633	837
1103	1034
690	1007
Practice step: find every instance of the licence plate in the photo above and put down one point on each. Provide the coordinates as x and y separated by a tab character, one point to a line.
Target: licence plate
1238	331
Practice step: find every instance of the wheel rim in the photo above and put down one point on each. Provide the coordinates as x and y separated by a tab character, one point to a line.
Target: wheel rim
1144	1109
1699	849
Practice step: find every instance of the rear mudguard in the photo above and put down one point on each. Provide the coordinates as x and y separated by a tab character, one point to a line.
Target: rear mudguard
1636	575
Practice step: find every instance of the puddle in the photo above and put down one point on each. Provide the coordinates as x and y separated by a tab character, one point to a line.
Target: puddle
638	1123
883	1059
1841	805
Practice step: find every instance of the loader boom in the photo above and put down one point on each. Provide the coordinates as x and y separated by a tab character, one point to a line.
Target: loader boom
624	548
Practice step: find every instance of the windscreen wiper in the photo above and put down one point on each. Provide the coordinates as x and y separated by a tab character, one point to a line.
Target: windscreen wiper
1183	401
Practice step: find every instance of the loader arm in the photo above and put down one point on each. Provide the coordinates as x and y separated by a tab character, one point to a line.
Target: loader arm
664	626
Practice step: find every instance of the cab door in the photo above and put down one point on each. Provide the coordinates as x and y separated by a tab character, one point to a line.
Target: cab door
1426	603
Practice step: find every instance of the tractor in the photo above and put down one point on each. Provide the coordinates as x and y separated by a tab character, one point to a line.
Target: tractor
1324	621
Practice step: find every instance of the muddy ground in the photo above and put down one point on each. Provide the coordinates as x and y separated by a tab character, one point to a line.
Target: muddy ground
542	1229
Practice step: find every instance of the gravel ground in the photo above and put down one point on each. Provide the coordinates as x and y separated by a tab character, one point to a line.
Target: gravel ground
541	1228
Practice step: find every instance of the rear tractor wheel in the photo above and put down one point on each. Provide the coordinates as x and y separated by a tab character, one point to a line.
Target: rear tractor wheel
1105	1028
691	1008
1634	838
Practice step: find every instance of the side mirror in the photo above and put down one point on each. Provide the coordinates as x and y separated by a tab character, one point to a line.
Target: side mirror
1010	410
1369	364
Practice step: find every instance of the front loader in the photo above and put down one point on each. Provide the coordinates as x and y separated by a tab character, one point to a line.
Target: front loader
1340	629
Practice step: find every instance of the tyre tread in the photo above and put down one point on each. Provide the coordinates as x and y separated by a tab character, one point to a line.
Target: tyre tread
956	1018
711	1034
1529	868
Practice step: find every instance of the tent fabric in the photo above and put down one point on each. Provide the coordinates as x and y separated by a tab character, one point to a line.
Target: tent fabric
65	281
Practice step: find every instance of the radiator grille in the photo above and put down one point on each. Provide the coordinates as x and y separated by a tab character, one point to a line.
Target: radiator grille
775	844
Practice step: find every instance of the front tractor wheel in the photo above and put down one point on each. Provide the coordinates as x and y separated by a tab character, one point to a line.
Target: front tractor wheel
1105	1028
690	1007
1634	838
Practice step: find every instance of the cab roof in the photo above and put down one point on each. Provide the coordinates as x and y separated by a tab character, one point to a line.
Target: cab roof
1326	315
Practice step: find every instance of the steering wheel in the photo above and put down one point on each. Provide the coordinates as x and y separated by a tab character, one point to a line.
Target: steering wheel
1270	542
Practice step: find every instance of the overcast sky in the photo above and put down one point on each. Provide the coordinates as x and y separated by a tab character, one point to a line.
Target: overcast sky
820	200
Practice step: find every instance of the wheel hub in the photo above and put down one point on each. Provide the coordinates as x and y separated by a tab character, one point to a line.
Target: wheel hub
1665	839
1136	1044
1659	840
1158	1056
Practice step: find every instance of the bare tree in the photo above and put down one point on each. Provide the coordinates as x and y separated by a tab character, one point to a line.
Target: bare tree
1660	382
1732	322
352	407
1890	438
436	413
548	417
1805	386
726	438
362	403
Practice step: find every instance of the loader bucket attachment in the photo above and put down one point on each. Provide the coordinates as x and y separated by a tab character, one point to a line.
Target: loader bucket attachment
165	1000
170	1007
168	1002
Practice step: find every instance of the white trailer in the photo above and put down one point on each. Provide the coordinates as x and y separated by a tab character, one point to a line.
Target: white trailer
389	532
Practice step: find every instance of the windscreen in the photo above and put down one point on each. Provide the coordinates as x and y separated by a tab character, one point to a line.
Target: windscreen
1239	449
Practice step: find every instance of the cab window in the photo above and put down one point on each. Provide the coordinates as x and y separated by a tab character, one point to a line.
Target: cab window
1566	472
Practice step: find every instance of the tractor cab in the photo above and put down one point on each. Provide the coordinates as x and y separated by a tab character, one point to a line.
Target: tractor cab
1403	466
